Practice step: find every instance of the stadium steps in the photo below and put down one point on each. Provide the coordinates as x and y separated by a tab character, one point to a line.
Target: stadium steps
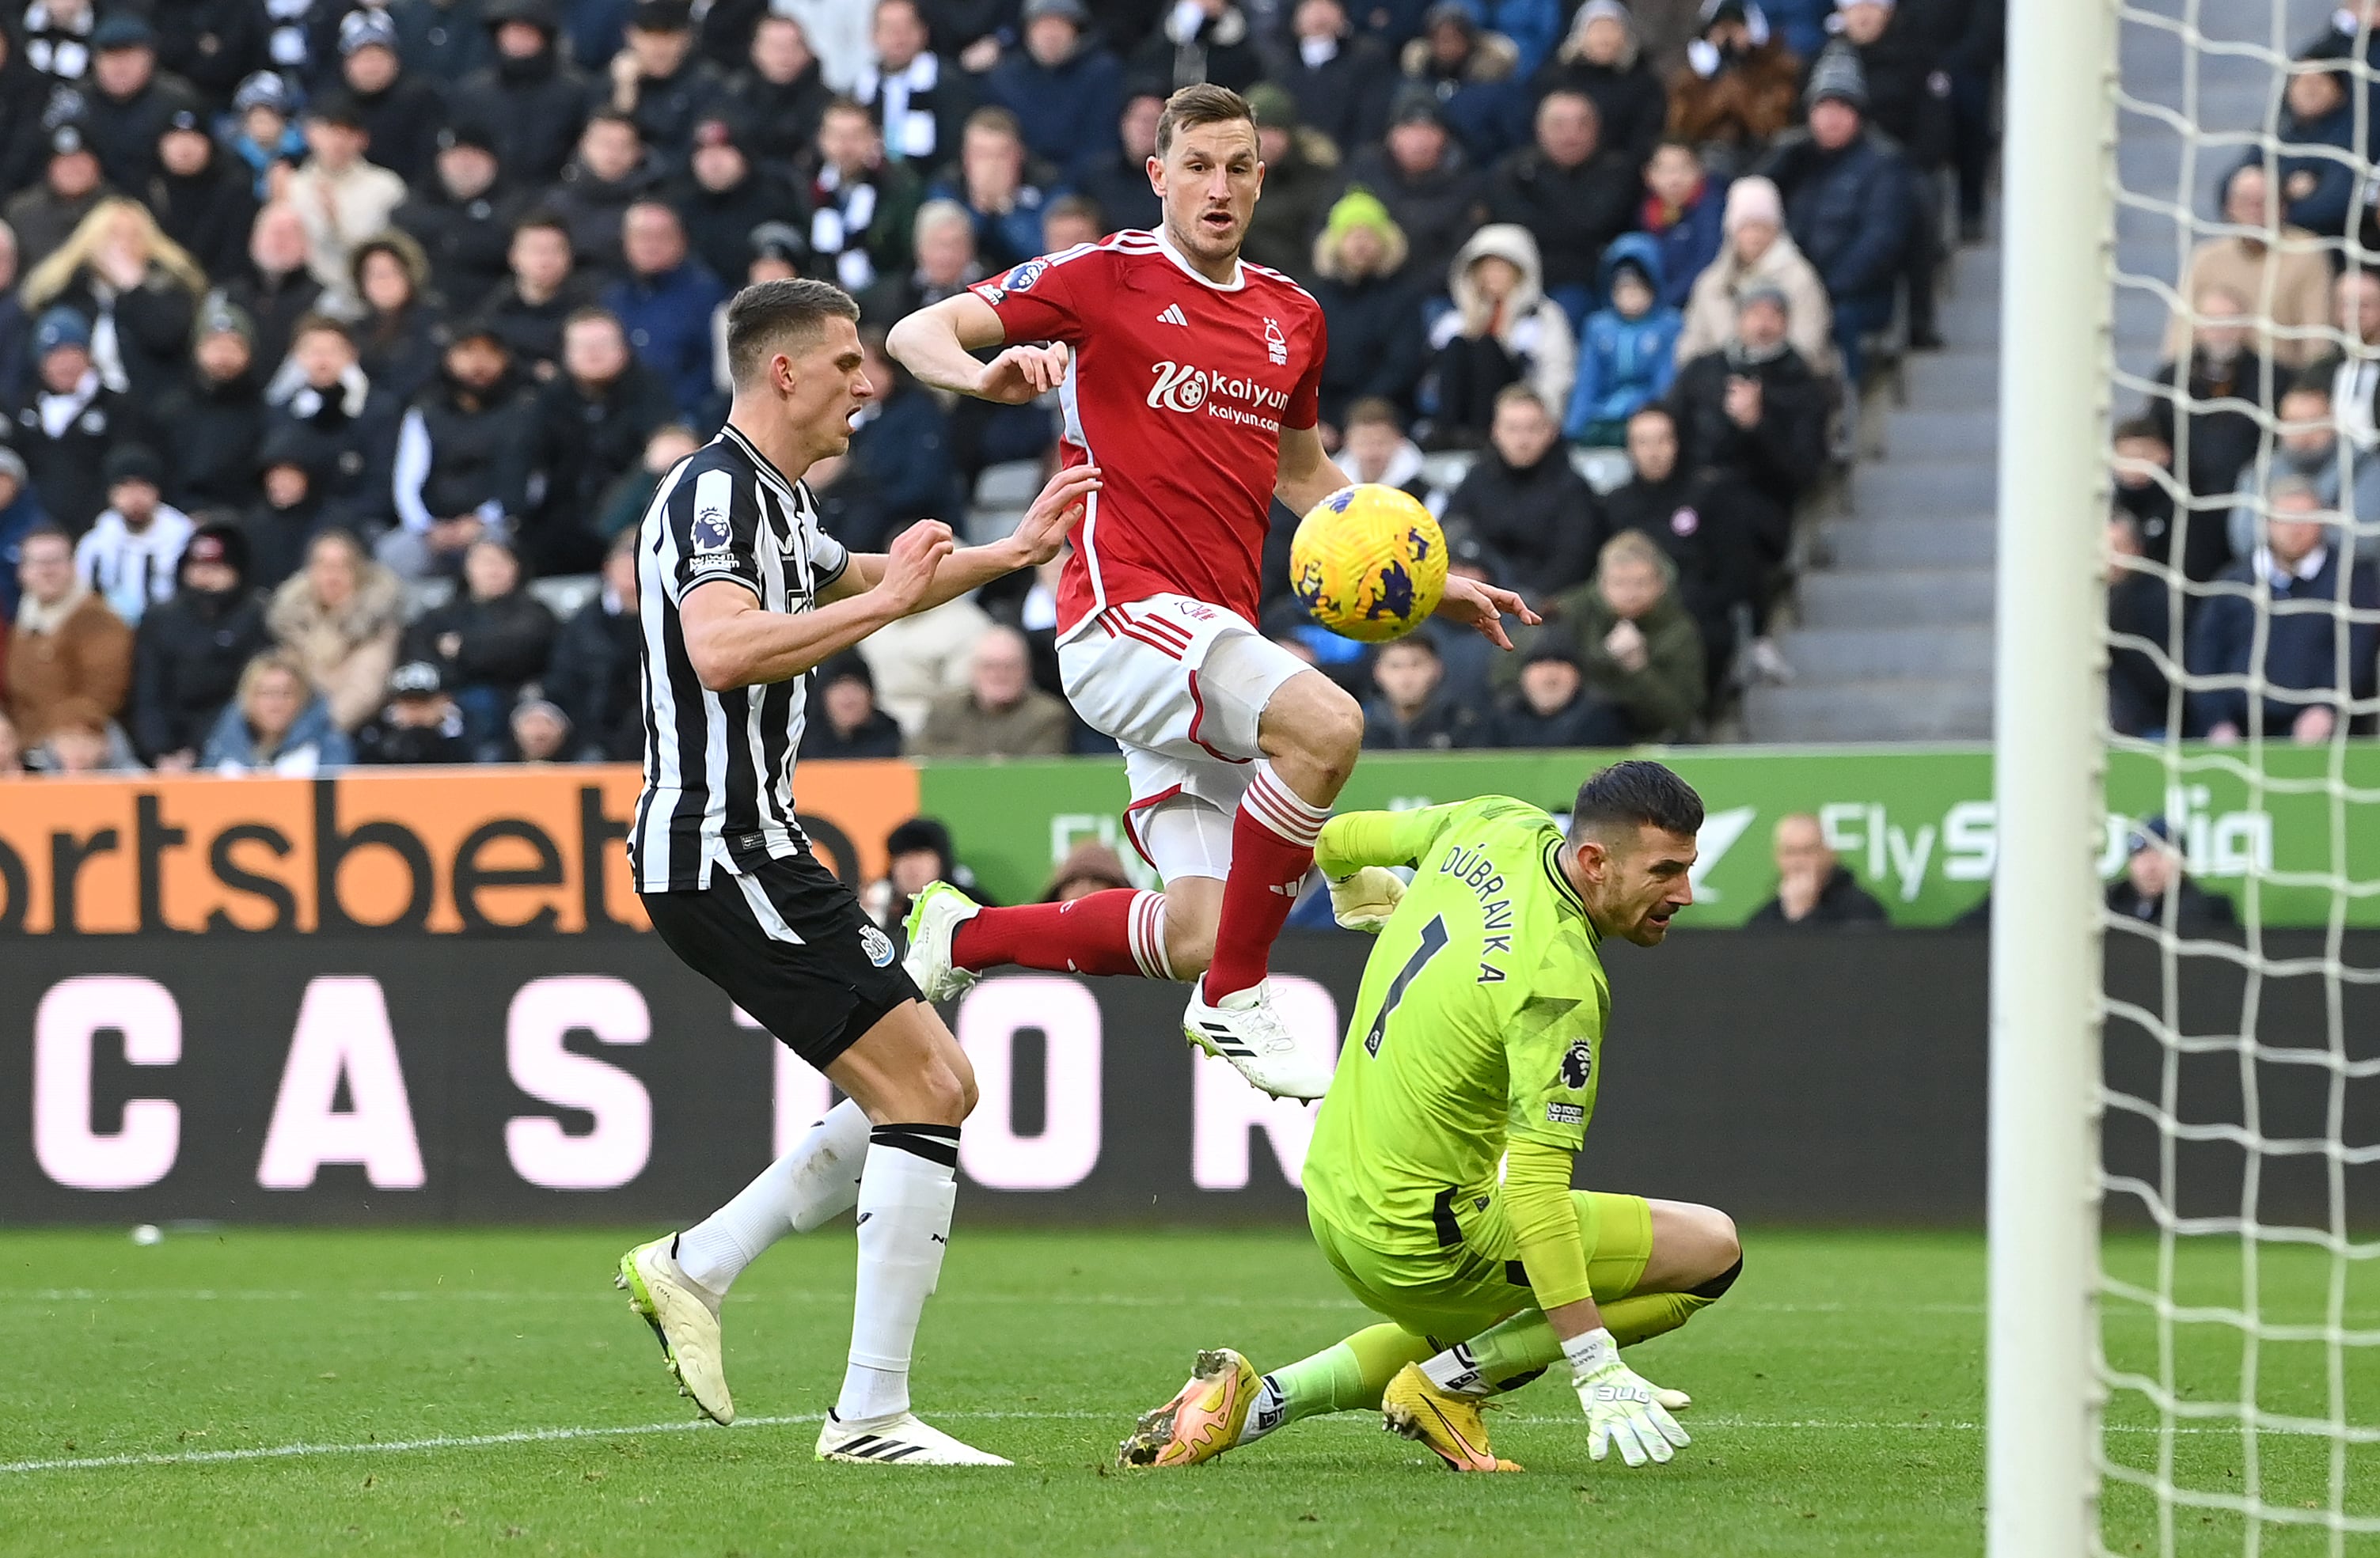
1892	633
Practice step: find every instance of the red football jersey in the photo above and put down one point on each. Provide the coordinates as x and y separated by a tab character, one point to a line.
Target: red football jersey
1178	391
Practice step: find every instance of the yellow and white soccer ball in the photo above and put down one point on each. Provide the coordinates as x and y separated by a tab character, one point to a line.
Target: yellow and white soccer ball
1368	562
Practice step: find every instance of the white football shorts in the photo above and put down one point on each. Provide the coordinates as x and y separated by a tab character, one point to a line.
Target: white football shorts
1181	685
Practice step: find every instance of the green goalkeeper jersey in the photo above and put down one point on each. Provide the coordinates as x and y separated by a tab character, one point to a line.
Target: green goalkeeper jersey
1480	1019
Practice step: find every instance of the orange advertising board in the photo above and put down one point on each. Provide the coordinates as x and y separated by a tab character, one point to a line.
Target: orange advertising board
468	850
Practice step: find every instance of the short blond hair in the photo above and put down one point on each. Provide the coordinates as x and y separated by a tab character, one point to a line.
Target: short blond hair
1203	103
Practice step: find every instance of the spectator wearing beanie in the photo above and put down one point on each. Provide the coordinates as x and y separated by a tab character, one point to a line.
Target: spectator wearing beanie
420	726
1639	649
275	724
1063	88
920	852
1681	212
402	323
660	80
66	420
275	290
1425	179
1848	203
1341	79
347	424
843	720
342	198
665	301
1301	176
287	514
129	553
136	286
20	515
462	459
1629	352
778	95
1089	868
491	639
1371	308
1474	76
265	138
189	651
339	617
1502	330
1524	503
1758	252
723	197
128	101
533	100
598	664
45	216
1549	705
1602	58
463	215
69	657
1573	195
203	198
1753	409
401	108
1737	89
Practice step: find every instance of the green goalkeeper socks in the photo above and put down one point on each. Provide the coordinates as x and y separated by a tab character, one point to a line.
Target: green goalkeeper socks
1345	1377
1524	1347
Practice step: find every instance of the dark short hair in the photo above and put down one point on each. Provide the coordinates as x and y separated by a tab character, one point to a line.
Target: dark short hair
1072	205
1205	103
1633	794
613	117
319	324
2139	426
766	313
549	221
1420	641
593	313
1373	409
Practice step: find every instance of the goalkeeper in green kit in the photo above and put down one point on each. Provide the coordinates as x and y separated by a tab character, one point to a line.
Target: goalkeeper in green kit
1478	1037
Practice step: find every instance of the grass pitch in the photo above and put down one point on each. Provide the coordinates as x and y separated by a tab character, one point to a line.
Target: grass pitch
435	1391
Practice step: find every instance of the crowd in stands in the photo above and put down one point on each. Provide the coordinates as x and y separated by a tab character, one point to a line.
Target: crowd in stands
343	341
2243	590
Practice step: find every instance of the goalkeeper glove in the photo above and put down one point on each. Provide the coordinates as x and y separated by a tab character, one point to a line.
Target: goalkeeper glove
1621	1408
1365	900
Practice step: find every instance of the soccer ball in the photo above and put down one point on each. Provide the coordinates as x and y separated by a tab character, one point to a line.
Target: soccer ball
1368	562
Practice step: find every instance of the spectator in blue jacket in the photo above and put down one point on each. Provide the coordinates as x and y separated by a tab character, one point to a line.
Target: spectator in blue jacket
1066	92
1474	76
665	303
1684	211
20	515
1847	203
2317	124
1629	352
1002	192
277	724
2309	574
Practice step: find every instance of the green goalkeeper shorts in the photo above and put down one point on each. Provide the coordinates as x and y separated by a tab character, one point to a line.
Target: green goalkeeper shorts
1475	1278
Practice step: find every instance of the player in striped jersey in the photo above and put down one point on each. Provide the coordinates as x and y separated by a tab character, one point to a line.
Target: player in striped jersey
741	594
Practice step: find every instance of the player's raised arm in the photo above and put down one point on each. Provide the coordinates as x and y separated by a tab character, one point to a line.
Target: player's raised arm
733	642
1037	538
937	345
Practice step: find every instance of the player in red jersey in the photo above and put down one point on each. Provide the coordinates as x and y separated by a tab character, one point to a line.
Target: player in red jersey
1190	376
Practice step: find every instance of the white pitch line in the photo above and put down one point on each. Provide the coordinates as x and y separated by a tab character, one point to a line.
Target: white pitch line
305	1449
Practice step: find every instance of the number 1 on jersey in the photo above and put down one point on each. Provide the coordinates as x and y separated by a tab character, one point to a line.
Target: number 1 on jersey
1433	940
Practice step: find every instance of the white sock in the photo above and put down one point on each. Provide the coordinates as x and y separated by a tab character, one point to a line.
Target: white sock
1456	1372
906	1195
817	1181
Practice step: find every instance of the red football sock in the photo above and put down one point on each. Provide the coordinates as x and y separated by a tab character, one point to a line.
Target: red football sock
1118	931
1272	849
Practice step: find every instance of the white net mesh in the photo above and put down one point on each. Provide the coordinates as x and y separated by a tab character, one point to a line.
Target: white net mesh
2240	1282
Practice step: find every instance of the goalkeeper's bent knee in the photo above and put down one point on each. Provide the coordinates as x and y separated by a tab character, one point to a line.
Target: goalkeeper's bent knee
1716	1286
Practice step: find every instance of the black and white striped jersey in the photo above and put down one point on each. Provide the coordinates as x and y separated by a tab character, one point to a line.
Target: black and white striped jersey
718	767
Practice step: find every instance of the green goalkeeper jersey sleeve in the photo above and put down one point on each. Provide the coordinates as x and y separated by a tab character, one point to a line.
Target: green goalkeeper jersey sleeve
1480	1019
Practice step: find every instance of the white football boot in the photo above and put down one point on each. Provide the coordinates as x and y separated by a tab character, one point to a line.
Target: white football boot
1245	1030
685	1315
899	1439
934	918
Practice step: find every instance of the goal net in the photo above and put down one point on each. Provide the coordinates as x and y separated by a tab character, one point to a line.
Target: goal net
2228	1390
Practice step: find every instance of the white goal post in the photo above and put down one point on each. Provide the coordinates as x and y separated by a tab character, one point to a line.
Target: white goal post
2058	228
